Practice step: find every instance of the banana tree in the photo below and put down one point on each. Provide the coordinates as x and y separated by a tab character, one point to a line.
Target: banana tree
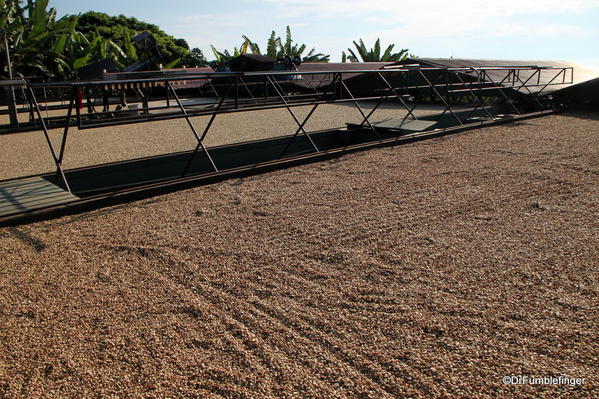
26	31
37	40
273	45
45	47
246	46
374	54
275	48
290	49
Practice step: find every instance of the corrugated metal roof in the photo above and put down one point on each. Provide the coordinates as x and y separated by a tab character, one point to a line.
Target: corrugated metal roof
318	80
170	72
188	70
189	84
342	66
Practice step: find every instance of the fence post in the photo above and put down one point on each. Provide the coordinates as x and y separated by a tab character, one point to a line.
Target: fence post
12	106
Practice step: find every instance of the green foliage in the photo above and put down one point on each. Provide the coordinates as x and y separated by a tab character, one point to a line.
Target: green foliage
273	45
173	63
374	54
220	56
51	48
42	46
98	48
275	48
291	49
37	41
194	58
246	46
121	29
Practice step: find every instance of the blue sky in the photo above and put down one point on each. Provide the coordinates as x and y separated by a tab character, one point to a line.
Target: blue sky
503	29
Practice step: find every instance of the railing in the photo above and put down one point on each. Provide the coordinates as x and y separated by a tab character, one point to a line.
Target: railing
91	104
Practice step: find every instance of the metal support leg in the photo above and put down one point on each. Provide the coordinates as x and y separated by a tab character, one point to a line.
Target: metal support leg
195	133
214	89
377	105
65	134
47	136
248	90
457	74
236	92
563	71
523	85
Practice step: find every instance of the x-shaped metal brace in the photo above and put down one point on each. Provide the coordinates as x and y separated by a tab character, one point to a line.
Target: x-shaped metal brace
199	138
498	85
478	100
447	107
299	124
400	98
364	116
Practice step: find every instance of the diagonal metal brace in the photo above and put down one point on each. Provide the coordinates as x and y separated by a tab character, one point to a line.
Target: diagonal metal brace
524	85
344	86
447	107
498	85
299	124
410	110
65	133
478	100
562	71
195	133
57	160
299	129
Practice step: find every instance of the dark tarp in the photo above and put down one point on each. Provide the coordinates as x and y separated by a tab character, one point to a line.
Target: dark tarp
96	70
355	80
581	93
251	63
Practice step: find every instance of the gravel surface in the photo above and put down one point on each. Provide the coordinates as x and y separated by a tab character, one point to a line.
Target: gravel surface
427	270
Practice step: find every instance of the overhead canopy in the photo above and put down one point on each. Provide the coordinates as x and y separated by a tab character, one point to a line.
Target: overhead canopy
580	74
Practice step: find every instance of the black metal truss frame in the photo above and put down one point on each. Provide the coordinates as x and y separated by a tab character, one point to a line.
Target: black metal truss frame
272	90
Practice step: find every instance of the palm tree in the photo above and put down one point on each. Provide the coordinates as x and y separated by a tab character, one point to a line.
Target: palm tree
374	55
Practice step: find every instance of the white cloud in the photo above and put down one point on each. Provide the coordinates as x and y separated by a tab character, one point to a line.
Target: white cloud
434	27
410	9
232	19
440	18
222	30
